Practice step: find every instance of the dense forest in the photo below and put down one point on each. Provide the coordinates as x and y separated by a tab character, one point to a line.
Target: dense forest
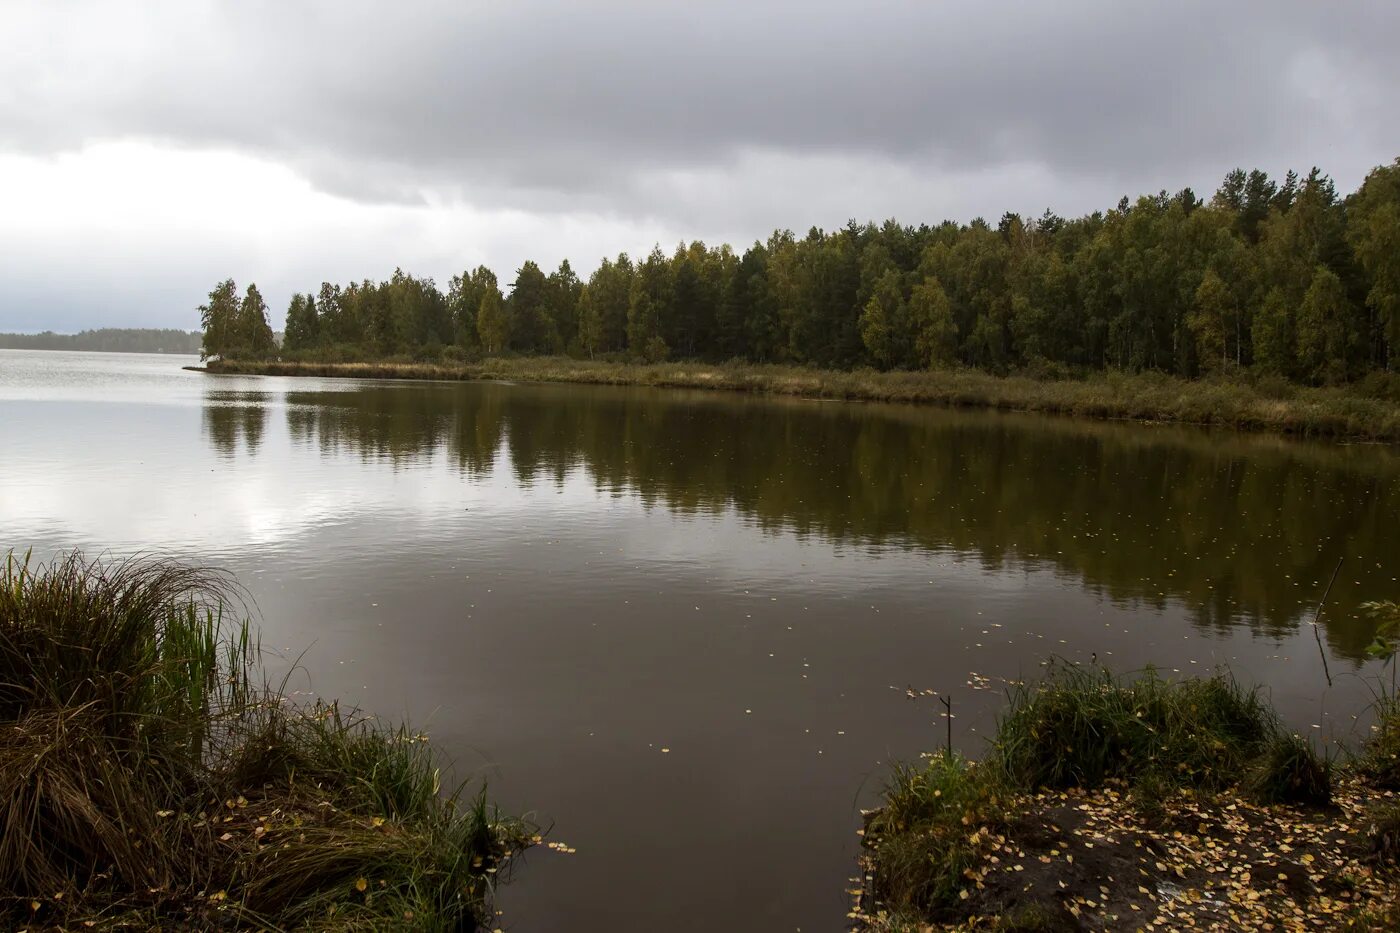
1284	277
108	339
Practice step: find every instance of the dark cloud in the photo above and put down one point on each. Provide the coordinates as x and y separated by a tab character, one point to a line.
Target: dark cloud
606	123
570	105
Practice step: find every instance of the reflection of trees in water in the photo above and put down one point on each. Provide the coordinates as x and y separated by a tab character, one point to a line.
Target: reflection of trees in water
1238	528
227	415
399	425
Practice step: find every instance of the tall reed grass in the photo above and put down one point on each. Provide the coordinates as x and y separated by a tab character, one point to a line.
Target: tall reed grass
149	778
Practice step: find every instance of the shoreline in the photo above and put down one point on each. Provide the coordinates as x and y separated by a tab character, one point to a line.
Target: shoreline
1281	409
1136	802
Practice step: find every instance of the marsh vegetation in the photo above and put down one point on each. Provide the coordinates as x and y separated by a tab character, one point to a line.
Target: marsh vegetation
150	779
1114	802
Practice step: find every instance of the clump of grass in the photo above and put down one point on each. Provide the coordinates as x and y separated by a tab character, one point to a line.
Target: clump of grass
1035	918
1384	833
1083	726
1150	796
143	776
113	678
139	644
367	807
927	835
1379	761
1078	728
1291	771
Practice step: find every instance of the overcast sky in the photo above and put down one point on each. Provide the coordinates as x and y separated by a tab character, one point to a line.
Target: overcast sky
149	149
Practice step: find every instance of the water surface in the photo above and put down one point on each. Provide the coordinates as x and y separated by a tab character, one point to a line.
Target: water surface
682	627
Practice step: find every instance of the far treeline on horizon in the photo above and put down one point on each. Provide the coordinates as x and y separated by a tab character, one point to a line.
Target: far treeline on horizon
109	340
1283	277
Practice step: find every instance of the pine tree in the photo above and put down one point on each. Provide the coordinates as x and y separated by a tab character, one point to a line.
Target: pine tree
303	324
650	297
254	333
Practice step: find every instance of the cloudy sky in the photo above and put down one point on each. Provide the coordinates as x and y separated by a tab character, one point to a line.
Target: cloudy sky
149	149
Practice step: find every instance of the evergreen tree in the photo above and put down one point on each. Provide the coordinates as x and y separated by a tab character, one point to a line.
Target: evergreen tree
303	324
652	292
610	295
531	326
563	289
254	334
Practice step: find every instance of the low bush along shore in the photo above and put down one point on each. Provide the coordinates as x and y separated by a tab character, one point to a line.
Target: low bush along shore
149	783
1121	804
1370	410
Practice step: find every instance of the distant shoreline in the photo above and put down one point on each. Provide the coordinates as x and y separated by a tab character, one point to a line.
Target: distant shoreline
1282	409
123	352
163	340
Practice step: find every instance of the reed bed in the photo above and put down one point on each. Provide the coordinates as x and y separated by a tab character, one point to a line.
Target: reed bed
150	779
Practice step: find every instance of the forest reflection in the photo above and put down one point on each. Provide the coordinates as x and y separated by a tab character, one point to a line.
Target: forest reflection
1241	530
231	417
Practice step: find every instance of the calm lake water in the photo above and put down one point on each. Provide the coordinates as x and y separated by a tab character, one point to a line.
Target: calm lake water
681	627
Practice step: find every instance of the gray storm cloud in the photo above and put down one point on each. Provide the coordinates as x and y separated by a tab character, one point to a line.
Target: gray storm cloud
718	118
487	100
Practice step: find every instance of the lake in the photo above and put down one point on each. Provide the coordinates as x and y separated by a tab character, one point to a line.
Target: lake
682	628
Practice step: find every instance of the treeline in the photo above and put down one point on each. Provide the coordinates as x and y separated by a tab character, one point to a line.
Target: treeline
1284	277
108	340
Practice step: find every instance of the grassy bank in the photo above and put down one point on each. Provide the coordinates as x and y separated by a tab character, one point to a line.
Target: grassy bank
1107	803
150	781
1371	412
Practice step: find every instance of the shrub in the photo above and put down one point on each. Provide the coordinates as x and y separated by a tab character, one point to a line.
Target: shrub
927	833
1384	833
1379	385
1379	761
1292	772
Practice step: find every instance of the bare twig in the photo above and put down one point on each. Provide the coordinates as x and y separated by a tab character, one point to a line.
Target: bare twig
948	705
1318	615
